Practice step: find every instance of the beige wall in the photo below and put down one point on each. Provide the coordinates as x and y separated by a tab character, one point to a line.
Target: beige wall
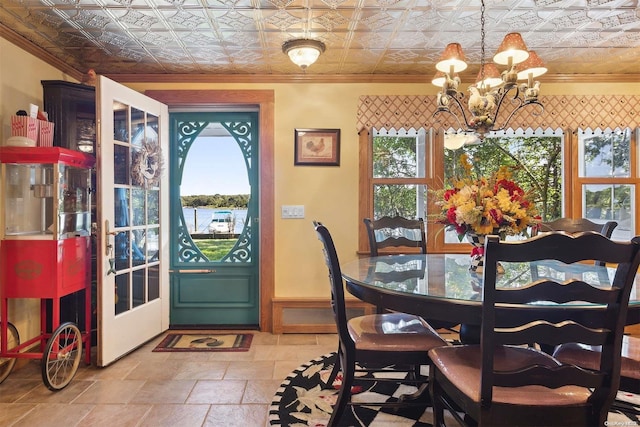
329	194
20	75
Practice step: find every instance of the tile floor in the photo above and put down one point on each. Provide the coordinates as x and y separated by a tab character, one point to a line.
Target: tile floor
163	389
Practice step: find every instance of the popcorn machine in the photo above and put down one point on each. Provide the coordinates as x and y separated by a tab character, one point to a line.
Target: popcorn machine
45	253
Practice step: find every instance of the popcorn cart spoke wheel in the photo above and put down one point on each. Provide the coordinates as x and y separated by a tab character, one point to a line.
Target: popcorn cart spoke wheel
61	357
7	363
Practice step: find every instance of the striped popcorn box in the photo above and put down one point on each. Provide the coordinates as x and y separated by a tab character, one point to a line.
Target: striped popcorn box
24	126
45	134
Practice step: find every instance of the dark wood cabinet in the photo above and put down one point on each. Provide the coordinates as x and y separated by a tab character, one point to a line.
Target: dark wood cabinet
72	107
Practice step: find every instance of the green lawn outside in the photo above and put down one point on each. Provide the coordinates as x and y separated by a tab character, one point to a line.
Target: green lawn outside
215	249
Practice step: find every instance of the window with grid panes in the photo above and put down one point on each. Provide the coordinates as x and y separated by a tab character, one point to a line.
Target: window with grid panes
607	178
403	166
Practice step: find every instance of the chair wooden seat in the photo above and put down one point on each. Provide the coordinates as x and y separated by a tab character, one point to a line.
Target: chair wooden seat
588	356
392	340
393	332
466	374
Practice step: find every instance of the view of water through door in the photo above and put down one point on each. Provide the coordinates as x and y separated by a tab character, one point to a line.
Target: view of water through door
214	212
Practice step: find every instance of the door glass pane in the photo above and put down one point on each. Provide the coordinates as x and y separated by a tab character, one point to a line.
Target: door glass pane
122	251
138	246
605	154
151	130
151	242
120	122
139	208
121	164
121	207
214	192
122	295
153	203
153	285
138	287
137	126
611	202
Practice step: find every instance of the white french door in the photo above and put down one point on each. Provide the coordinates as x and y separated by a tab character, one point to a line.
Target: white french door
133	207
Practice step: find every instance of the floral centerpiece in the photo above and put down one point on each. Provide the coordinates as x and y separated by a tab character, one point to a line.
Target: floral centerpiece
476	207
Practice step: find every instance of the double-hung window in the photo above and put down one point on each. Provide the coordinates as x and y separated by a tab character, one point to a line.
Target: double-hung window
583	174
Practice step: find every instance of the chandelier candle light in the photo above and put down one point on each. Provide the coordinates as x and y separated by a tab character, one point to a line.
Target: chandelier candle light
491	87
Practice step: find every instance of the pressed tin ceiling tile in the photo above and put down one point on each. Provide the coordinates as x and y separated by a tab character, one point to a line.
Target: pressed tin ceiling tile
369	37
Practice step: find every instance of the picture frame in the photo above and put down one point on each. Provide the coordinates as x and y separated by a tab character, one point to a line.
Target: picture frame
317	147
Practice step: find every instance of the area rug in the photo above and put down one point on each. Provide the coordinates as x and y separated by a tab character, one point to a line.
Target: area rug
303	399
205	342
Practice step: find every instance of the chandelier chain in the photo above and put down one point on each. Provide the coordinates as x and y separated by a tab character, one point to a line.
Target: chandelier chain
482	35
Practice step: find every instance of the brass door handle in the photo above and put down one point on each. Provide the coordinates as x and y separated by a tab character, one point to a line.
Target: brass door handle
108	233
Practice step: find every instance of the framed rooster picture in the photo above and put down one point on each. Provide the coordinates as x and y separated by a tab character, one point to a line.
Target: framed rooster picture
317	147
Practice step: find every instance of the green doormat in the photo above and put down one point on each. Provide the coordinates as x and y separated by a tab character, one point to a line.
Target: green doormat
205	342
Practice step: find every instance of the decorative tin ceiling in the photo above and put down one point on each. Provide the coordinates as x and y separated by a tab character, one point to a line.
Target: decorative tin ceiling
363	37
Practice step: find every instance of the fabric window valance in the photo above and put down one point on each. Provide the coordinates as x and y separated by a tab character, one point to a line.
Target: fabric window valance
564	112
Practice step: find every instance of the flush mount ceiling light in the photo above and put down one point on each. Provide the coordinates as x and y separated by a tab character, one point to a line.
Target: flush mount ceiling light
491	86
303	52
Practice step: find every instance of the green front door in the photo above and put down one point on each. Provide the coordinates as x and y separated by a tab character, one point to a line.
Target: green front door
214	219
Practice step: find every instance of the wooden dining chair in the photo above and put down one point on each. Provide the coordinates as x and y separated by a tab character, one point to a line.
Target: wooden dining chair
577	225
404	235
503	381
396	232
373	341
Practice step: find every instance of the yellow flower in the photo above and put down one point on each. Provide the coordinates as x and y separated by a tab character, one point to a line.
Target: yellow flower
487	205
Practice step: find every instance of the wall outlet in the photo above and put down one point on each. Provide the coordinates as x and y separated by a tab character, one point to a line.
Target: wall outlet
292	211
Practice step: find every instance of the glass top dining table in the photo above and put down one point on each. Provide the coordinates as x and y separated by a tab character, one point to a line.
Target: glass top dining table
441	287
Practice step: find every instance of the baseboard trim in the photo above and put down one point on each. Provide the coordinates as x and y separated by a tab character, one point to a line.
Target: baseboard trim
309	315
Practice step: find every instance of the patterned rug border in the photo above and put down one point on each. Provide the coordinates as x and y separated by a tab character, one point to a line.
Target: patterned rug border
274	408
624	412
242	343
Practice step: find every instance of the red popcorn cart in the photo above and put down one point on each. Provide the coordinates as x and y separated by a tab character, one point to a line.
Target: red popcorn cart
45	253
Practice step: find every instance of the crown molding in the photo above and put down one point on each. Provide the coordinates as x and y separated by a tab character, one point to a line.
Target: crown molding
42	54
345	78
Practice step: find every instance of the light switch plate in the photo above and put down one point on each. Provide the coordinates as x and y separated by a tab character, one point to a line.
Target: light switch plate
292	211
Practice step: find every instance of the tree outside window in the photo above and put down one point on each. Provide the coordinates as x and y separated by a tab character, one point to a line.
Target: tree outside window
600	188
